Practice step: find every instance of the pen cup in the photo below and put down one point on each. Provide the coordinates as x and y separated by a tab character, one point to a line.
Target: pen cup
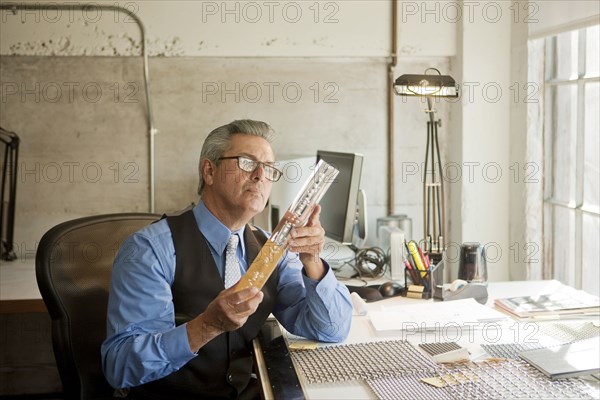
425	284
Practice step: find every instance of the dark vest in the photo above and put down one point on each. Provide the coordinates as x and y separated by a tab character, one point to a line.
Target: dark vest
223	366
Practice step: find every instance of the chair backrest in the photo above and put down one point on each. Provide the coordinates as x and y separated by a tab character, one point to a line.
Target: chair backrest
73	266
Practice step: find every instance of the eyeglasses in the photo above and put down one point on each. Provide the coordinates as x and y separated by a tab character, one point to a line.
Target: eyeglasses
249	165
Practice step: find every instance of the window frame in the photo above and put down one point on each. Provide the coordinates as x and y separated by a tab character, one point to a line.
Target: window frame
550	202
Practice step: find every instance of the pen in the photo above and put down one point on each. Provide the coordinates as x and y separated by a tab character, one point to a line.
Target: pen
413	248
424	258
414	277
409	257
412	261
428	261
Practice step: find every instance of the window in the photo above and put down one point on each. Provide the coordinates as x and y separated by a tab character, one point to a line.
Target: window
571	159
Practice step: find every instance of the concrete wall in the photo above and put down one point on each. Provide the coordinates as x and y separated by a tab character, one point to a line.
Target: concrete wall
72	89
85	157
71	86
204	28
318	76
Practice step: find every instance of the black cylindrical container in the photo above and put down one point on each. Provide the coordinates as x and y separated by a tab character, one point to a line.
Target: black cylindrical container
472	266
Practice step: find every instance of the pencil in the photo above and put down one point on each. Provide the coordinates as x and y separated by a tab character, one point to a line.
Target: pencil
415	277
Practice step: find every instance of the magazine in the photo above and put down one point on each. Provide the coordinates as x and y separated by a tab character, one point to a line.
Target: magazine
566	300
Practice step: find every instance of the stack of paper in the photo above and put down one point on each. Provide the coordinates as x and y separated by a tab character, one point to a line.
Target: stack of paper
566	300
425	316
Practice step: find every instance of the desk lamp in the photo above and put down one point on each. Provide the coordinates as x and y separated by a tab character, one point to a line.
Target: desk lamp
429	86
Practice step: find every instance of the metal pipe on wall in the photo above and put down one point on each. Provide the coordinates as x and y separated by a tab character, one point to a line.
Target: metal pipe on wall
14	7
390	133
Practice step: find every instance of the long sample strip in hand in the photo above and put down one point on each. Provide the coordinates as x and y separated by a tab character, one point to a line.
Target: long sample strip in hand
296	216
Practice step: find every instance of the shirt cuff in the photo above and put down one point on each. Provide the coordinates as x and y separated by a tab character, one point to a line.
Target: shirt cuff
323	287
175	343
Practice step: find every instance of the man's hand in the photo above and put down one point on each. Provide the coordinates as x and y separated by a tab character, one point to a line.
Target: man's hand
309	241
227	312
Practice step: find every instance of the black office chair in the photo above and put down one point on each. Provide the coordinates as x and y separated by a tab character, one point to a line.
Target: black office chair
73	266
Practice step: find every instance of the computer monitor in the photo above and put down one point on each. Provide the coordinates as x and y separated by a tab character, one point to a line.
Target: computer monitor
341	210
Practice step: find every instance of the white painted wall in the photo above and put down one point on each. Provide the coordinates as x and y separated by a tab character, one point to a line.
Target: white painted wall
205	28
481	198
428	28
552	16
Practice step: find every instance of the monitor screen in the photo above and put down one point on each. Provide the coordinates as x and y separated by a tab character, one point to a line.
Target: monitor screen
338	206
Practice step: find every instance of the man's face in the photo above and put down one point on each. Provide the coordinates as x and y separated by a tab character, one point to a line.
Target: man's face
239	193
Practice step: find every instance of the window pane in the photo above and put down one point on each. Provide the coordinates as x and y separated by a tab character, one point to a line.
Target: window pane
591	254
591	174
592	53
548	132
565	133
566	55
550	58
548	260
564	245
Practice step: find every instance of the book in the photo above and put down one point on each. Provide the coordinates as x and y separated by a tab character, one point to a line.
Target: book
565	300
567	360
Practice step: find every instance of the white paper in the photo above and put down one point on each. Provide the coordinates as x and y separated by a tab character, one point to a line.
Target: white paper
359	305
435	315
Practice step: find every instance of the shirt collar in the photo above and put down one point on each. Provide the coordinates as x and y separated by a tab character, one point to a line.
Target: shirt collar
214	231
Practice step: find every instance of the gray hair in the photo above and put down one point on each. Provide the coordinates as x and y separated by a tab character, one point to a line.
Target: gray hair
218	141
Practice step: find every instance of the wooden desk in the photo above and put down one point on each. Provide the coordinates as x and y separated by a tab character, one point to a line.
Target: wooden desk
19	292
27	365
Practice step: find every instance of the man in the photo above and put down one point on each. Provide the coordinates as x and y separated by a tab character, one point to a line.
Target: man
175	327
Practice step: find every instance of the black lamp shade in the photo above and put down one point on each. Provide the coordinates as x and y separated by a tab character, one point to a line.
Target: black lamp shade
426	85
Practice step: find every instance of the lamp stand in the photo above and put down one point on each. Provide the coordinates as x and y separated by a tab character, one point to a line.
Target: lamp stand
433	190
431	86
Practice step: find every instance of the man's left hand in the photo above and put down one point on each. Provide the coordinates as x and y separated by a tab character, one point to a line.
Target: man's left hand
309	241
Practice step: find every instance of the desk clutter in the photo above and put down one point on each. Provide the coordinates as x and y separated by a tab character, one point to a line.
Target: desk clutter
424	273
398	370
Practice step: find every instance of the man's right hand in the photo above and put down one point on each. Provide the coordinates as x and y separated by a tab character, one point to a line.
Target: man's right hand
227	312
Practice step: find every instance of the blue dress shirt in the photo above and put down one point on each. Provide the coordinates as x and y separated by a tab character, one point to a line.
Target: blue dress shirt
143	343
